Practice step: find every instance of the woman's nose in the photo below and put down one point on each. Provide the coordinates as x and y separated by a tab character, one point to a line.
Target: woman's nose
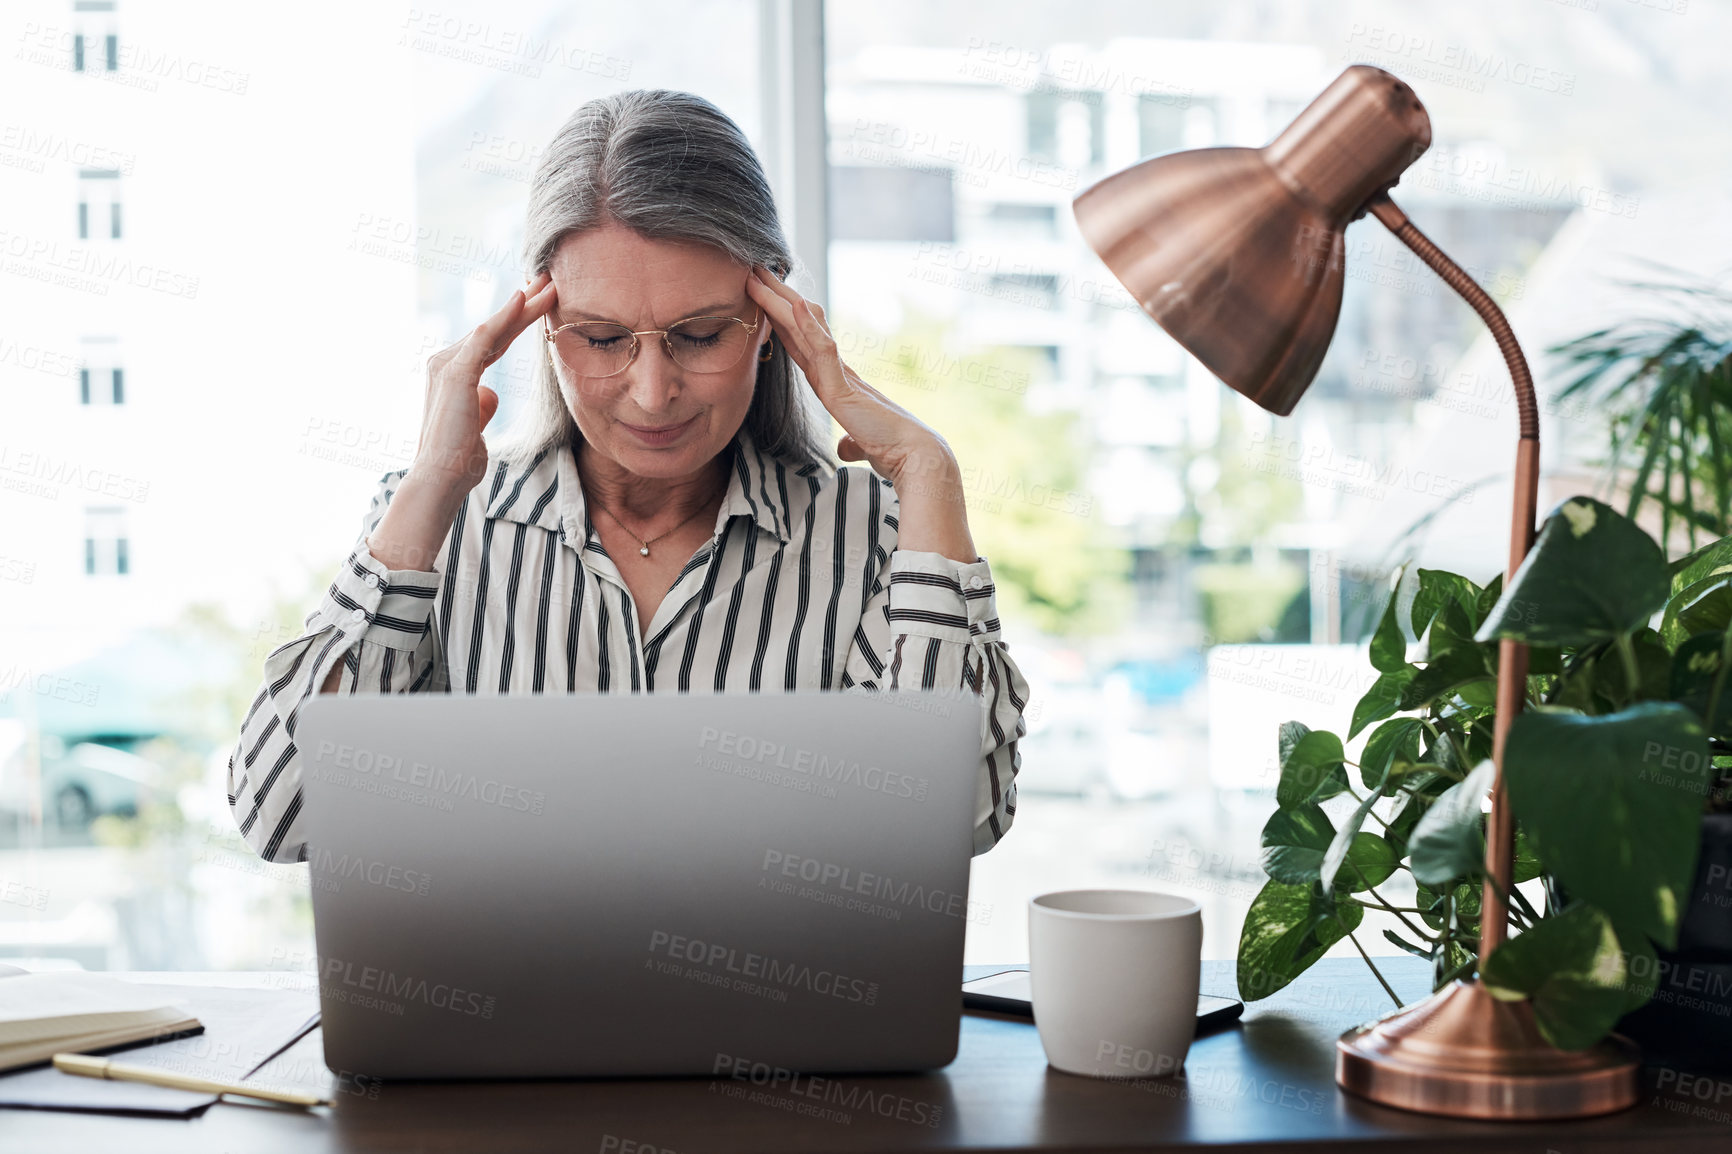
653	380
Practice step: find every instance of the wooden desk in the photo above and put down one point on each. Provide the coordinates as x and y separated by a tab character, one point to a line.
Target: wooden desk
1266	1084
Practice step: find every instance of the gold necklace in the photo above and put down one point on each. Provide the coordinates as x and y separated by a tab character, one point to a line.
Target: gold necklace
643	546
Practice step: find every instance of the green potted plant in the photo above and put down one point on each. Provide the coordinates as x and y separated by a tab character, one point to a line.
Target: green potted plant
1610	769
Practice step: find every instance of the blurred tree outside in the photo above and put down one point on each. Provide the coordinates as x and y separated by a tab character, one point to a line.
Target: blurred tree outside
1056	564
1251	602
1254	490
1245	491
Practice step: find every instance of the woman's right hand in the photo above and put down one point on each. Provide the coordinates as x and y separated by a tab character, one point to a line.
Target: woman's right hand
451	457
451	452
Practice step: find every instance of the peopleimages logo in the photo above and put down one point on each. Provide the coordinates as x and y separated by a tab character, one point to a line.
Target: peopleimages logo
375	988
723	749
334	869
849	881
853	1096
723	959
366	766
73	474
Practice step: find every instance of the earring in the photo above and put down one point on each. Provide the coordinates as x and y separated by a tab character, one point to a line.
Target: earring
769	351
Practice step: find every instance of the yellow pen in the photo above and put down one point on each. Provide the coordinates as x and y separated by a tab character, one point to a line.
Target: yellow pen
103	1068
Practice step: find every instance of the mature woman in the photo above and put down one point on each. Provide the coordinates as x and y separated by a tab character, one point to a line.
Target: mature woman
667	518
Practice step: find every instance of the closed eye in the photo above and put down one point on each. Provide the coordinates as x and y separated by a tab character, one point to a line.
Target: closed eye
697	338
600	336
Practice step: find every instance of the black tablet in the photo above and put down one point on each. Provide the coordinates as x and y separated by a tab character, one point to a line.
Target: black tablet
1007	993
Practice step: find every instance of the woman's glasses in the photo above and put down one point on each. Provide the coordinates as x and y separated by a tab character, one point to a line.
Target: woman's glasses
698	345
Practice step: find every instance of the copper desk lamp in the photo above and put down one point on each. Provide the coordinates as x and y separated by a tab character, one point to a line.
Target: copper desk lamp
1238	253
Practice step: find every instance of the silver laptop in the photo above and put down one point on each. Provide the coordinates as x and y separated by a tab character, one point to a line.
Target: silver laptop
556	886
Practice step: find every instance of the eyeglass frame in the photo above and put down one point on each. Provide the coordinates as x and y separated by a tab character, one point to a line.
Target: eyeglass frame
552	334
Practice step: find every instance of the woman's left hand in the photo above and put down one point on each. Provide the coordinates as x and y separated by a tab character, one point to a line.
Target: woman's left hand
876	429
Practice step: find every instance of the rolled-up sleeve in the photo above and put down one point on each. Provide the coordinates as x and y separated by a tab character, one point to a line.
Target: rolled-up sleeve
932	623
376	625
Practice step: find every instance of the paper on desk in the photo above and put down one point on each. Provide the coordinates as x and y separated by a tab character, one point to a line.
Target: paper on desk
243	1029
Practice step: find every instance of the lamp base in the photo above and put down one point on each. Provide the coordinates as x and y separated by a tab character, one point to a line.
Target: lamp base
1464	1053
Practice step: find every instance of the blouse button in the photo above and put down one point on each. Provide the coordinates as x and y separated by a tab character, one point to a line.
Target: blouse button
358	617
975	582
372	580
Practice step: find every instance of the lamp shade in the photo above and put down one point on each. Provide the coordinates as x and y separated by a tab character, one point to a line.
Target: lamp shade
1238	252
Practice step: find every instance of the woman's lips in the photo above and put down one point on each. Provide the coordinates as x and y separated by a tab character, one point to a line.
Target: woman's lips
658	434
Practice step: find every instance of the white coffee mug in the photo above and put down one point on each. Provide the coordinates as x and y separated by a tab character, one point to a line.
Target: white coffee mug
1114	977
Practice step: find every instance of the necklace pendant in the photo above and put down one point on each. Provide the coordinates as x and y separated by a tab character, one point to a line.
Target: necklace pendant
644	552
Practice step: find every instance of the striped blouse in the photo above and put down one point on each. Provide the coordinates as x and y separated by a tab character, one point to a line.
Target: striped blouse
801	587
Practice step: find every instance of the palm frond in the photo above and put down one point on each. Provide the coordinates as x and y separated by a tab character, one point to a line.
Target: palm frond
1665	386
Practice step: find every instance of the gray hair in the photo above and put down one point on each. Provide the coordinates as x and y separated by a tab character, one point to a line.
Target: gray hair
667	165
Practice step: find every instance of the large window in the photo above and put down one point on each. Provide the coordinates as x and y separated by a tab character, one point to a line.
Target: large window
1178	571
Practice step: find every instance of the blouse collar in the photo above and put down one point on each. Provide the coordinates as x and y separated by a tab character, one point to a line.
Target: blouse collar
545	491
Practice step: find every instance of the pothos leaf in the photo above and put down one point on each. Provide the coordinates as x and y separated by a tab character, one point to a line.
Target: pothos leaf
1447	843
1591	574
1393	740
1613	804
1311	769
1294	842
1287	928
1382	699
1388	646
1570	968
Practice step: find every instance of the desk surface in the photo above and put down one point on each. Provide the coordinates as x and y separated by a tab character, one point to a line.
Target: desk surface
1265	1084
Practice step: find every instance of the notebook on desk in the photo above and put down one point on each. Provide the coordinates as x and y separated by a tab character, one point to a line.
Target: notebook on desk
43	1014
608	885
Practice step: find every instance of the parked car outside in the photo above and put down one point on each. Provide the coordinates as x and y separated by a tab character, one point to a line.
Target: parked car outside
75	784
